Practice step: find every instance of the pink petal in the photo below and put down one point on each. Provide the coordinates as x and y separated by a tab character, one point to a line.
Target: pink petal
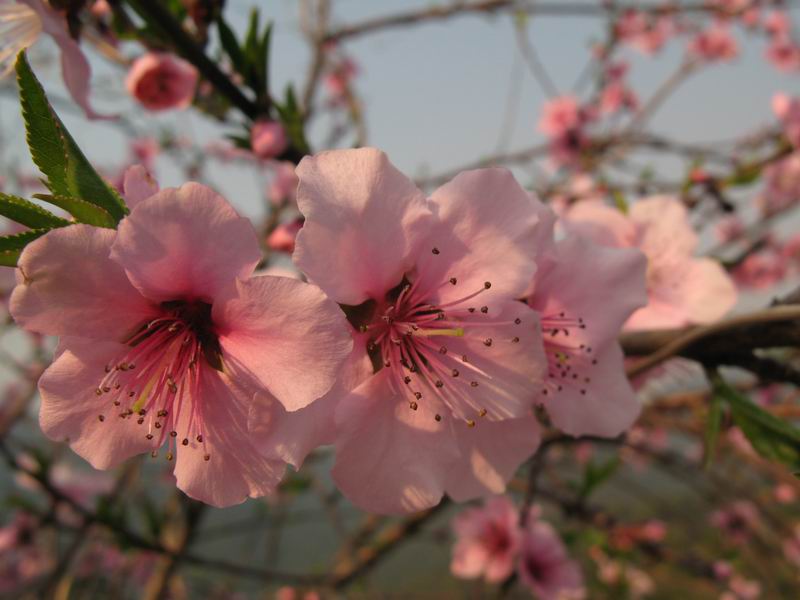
68	285
285	333
487	230
390	459
185	243
293	435
665	226
609	405
601	285
364	223
138	184
70	409
469	560
601	224
514	369
490	453
235	469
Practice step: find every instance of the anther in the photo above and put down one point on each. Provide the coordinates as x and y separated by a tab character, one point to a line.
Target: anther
442	350
99	392
438	417
435	251
487	284
418	395
169	456
517	321
199	439
473	383
101	418
116	403
487	342
154	453
470	423
106	389
158	425
173	434
454	372
207	458
482	413
140	420
453	280
406	379
514	340
413	406
464	358
471	309
149	436
439	383
484	309
185	442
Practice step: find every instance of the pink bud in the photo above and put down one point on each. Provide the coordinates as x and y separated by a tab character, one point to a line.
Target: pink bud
268	139
162	81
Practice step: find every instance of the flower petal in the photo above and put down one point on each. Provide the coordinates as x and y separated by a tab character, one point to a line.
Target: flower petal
138	184
390	459
364	223
607	408
602	286
293	435
70	409
235	470
487	230
506	372
185	243
68	285
490	452
601	224
286	334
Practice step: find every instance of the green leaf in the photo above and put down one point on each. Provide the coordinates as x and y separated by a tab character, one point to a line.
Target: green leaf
11	246
42	129
55	152
772	437
263	59
595	475
292	120
29	214
84	212
231	47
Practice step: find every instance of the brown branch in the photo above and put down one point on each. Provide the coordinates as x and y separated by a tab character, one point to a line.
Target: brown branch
488	7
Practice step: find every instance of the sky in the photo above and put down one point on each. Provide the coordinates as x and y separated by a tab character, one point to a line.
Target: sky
436	95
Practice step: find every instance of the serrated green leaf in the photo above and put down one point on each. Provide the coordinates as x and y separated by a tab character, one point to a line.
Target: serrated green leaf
11	246
27	213
84	212
68	173
41	128
772	437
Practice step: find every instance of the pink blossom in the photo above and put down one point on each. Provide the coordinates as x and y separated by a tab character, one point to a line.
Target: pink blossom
22	557
268	139
283	185
777	23
737	521
161	81
487	541
545	567
729	228
714	44
784	493
339	78
560	116
586	391
21	24
744	589
617	96
788	112
283	237
760	270
784	54
681	289
647	34
430	287
145	150
781	182
166	340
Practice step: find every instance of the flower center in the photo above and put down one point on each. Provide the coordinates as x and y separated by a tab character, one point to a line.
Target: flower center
156	382
424	344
